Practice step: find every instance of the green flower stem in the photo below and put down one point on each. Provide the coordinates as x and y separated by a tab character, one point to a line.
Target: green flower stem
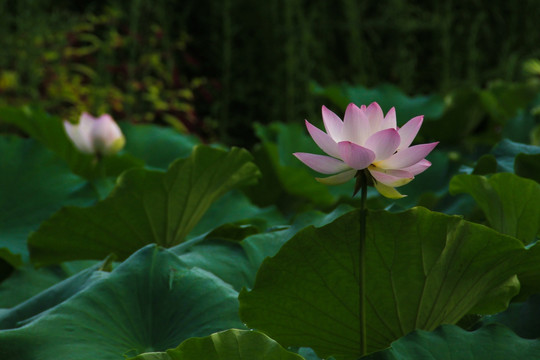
98	163
362	182
100	181
362	262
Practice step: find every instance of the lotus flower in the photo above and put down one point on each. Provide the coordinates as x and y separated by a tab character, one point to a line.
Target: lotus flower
367	139
100	136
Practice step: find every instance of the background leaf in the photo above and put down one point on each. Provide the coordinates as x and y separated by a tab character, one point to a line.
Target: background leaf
523	318
509	202
506	152
157	146
236	207
145	207
528	166
386	95
287	187
34	184
8	262
529	272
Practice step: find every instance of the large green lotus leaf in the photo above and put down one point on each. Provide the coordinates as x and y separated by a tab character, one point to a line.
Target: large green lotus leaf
226	259
231	344
528	166
260	246
236	207
27	281
234	253
17	315
423	269
157	146
151	302
497	299
145	207
492	342
506	152
49	131
34	184
509	202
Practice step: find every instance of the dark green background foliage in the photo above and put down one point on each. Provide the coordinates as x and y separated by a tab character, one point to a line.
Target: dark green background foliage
216	67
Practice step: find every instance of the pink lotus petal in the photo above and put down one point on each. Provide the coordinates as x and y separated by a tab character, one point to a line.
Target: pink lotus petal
388	191
323	140
332	124
79	134
356	156
383	143
321	163
389	121
78	139
106	135
418	168
337	179
85	125
106	128
409	130
375	115
407	157
393	178
86	120
355	125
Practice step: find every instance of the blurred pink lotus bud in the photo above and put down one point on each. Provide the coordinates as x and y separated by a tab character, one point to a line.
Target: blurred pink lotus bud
100	136
366	139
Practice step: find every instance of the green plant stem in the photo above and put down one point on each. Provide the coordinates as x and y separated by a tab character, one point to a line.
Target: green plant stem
98	160
362	263
100	180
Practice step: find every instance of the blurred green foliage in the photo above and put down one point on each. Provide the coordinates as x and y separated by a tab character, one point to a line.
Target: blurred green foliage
100	61
215	67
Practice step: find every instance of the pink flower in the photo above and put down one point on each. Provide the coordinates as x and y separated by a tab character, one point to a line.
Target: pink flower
100	136
367	139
